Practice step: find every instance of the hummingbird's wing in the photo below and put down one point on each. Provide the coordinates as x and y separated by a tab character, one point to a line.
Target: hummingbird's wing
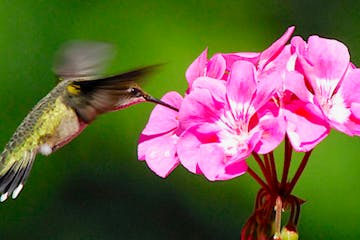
90	98
82	60
13	178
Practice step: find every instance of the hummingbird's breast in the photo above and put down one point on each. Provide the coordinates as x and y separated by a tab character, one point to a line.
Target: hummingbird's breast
57	126
49	125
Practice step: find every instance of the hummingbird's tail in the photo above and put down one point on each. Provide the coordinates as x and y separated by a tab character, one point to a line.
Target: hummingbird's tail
15	167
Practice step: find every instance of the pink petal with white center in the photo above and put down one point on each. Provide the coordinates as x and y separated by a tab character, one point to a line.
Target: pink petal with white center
197	68
216	67
159	153
241	87
237	143
324	63
275	49
338	112
305	125
343	113
214	166
163	119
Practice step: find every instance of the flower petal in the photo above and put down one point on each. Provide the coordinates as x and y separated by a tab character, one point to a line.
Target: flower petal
323	63
188	150
163	119
269	83
198	107
159	153
197	68
272	129
350	82
305	126
274	50
213	164
230	58
216	87
294	82
241	87
216	67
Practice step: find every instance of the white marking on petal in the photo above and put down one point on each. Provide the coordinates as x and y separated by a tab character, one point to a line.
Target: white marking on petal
338	111
152	154
4	196
45	149
167	153
17	191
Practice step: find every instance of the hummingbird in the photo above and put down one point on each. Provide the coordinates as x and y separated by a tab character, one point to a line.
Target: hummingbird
80	95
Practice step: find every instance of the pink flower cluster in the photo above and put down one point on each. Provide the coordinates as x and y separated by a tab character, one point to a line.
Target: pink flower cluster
244	102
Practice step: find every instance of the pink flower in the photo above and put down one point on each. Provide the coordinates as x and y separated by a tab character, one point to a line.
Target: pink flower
157	144
216	67
202	67
331	81
305	126
264	60
226	121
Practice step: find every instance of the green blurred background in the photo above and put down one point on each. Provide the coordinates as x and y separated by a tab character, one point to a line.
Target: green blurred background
95	188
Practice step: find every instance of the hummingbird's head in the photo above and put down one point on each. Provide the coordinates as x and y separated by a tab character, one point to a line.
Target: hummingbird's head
134	94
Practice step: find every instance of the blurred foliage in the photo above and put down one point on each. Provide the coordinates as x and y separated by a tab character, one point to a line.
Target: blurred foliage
95	188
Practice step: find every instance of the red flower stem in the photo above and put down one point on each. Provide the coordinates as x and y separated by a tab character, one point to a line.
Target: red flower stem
267	164
287	161
273	179
264	171
258	179
273	169
299	171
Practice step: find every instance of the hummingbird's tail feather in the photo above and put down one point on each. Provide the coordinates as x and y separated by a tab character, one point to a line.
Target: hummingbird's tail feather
12	180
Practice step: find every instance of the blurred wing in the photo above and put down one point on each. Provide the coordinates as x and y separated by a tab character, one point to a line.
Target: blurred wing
82	60
12	180
93	97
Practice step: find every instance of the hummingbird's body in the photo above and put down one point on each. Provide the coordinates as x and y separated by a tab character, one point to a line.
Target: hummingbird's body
76	101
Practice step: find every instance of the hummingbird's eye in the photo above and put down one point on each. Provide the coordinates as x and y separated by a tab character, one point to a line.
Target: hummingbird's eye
136	92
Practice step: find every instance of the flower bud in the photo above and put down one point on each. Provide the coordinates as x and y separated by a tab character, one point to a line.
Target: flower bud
289	234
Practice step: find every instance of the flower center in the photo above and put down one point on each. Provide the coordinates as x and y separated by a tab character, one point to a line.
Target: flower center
234	135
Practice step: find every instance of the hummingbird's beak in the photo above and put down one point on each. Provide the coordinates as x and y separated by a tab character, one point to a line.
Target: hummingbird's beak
149	98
